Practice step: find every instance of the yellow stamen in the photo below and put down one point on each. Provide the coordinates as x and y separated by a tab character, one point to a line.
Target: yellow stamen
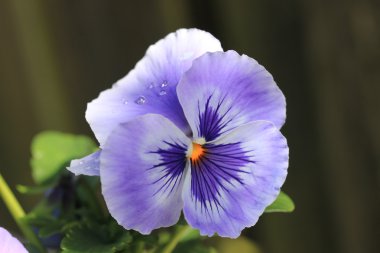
198	151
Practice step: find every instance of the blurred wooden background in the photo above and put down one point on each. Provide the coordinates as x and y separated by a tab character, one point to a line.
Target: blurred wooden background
55	56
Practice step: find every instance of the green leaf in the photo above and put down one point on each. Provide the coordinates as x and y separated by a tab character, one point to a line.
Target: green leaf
52	151
31	248
191	242
41	212
283	203
91	237
52	228
191	235
43	219
36	189
46	226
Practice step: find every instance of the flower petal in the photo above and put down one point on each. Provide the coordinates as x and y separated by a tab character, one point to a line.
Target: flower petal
239	175
223	90
142	170
10	244
151	86
88	165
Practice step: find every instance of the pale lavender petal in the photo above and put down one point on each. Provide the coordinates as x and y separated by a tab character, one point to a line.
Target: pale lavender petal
223	90
9	244
88	165
236	178
142	171
151	86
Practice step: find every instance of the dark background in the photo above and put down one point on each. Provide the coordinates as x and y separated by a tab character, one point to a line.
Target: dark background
55	56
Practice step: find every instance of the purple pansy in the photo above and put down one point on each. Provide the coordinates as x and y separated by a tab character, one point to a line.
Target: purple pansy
191	128
10	244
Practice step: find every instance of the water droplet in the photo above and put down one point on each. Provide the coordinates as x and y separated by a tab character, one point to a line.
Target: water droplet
151	86
164	84
125	102
80	162
140	100
162	92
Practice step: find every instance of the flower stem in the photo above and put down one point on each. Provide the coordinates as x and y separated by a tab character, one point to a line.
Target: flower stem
183	231
17	212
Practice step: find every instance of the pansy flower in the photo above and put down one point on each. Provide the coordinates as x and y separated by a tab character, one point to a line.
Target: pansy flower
191	128
10	244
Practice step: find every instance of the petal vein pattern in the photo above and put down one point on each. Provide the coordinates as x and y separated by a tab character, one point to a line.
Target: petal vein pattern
213	121
172	165
220	165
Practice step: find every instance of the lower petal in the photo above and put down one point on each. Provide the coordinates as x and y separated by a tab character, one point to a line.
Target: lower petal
239	175
142	171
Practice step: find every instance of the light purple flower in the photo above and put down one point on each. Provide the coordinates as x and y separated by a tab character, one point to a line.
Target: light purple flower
209	144
10	244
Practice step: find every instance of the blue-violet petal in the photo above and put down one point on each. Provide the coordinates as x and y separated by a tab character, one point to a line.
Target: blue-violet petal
88	165
143	165
10	244
235	178
151	86
223	90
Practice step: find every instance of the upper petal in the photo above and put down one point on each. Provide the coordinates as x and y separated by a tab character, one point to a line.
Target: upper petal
237	177
142	167
151	86
10	244
223	90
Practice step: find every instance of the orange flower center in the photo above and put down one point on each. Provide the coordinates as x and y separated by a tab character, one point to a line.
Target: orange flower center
198	151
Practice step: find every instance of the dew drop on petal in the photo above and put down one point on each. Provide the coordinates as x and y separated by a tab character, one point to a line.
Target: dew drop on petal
125	102
162	92
140	100
151	86
164	84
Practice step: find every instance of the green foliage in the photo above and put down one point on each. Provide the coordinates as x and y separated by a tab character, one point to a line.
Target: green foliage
192	242
283	203
94	237
44	219
30	248
191	236
52	151
37	189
